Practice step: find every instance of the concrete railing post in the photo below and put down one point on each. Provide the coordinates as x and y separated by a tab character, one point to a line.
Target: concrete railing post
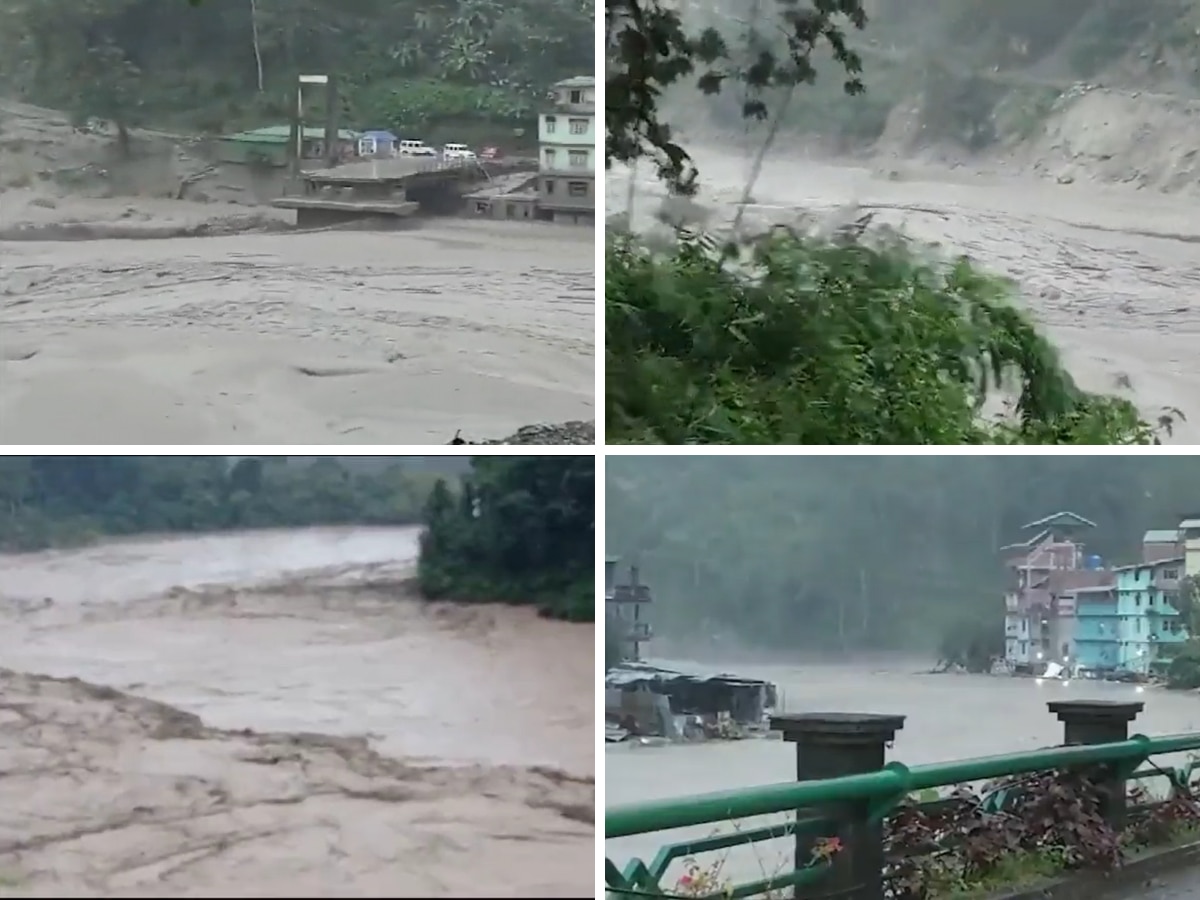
829	745
1100	722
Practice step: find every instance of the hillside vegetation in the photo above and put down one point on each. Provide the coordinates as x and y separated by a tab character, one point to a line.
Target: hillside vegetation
973	73
844	553
53	501
522	529
220	64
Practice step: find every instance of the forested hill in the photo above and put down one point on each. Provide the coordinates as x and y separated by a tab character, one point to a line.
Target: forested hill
49	501
513	529
863	553
219	64
522	529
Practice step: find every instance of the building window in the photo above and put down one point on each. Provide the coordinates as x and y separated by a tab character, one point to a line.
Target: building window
579	126
481	206
550	158
550	124
576	96
577	189
549	185
578	159
1170	574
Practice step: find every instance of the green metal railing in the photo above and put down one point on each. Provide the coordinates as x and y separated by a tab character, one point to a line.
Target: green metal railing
879	793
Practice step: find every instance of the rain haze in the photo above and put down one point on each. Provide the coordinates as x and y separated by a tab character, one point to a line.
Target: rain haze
259	678
884	585
1055	144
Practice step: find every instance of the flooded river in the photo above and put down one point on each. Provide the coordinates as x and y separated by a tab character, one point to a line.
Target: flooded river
949	717
1110	272
396	746
320	338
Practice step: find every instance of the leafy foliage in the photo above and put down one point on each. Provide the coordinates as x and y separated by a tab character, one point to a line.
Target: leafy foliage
830	343
48	501
222	61
821	344
837	554
522	530
650	49
1048	824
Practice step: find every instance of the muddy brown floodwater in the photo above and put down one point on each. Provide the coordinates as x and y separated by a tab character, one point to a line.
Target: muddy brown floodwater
321	338
1111	273
397	748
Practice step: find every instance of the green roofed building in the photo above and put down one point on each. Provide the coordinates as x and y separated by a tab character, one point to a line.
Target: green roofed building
269	146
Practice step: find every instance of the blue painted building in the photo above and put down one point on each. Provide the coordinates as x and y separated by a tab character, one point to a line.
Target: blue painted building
1097	623
377	143
1147	618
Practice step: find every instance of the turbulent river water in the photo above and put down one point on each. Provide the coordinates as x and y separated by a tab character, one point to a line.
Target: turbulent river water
949	717
397	747
1109	272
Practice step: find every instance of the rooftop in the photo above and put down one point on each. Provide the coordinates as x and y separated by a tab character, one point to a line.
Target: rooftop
1161	536
579	81
280	134
1061	519
1157	564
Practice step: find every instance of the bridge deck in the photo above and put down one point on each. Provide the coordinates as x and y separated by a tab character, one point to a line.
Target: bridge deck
401	169
361	207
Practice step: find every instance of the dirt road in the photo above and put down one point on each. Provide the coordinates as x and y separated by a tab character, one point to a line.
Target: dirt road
1112	272
398	748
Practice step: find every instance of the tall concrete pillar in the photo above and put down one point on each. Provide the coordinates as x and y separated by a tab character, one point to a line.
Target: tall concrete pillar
1100	722
830	745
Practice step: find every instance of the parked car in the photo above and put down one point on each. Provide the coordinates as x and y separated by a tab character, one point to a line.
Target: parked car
416	148
490	153
458	152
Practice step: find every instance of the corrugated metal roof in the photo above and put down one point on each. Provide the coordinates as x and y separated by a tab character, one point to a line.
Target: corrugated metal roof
580	81
1157	564
279	134
1065	517
633	672
1161	536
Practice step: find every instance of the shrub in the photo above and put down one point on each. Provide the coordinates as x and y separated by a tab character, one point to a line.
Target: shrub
788	339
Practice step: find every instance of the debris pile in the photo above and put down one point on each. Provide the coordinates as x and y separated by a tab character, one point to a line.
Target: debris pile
575	432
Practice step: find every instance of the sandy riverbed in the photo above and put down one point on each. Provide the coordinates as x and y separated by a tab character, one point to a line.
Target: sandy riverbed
399	748
320	338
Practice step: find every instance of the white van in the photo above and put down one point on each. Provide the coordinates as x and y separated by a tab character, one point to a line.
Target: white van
460	152
416	148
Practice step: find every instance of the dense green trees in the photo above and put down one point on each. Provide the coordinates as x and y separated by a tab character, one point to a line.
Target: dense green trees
521	529
221	63
54	500
863	552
